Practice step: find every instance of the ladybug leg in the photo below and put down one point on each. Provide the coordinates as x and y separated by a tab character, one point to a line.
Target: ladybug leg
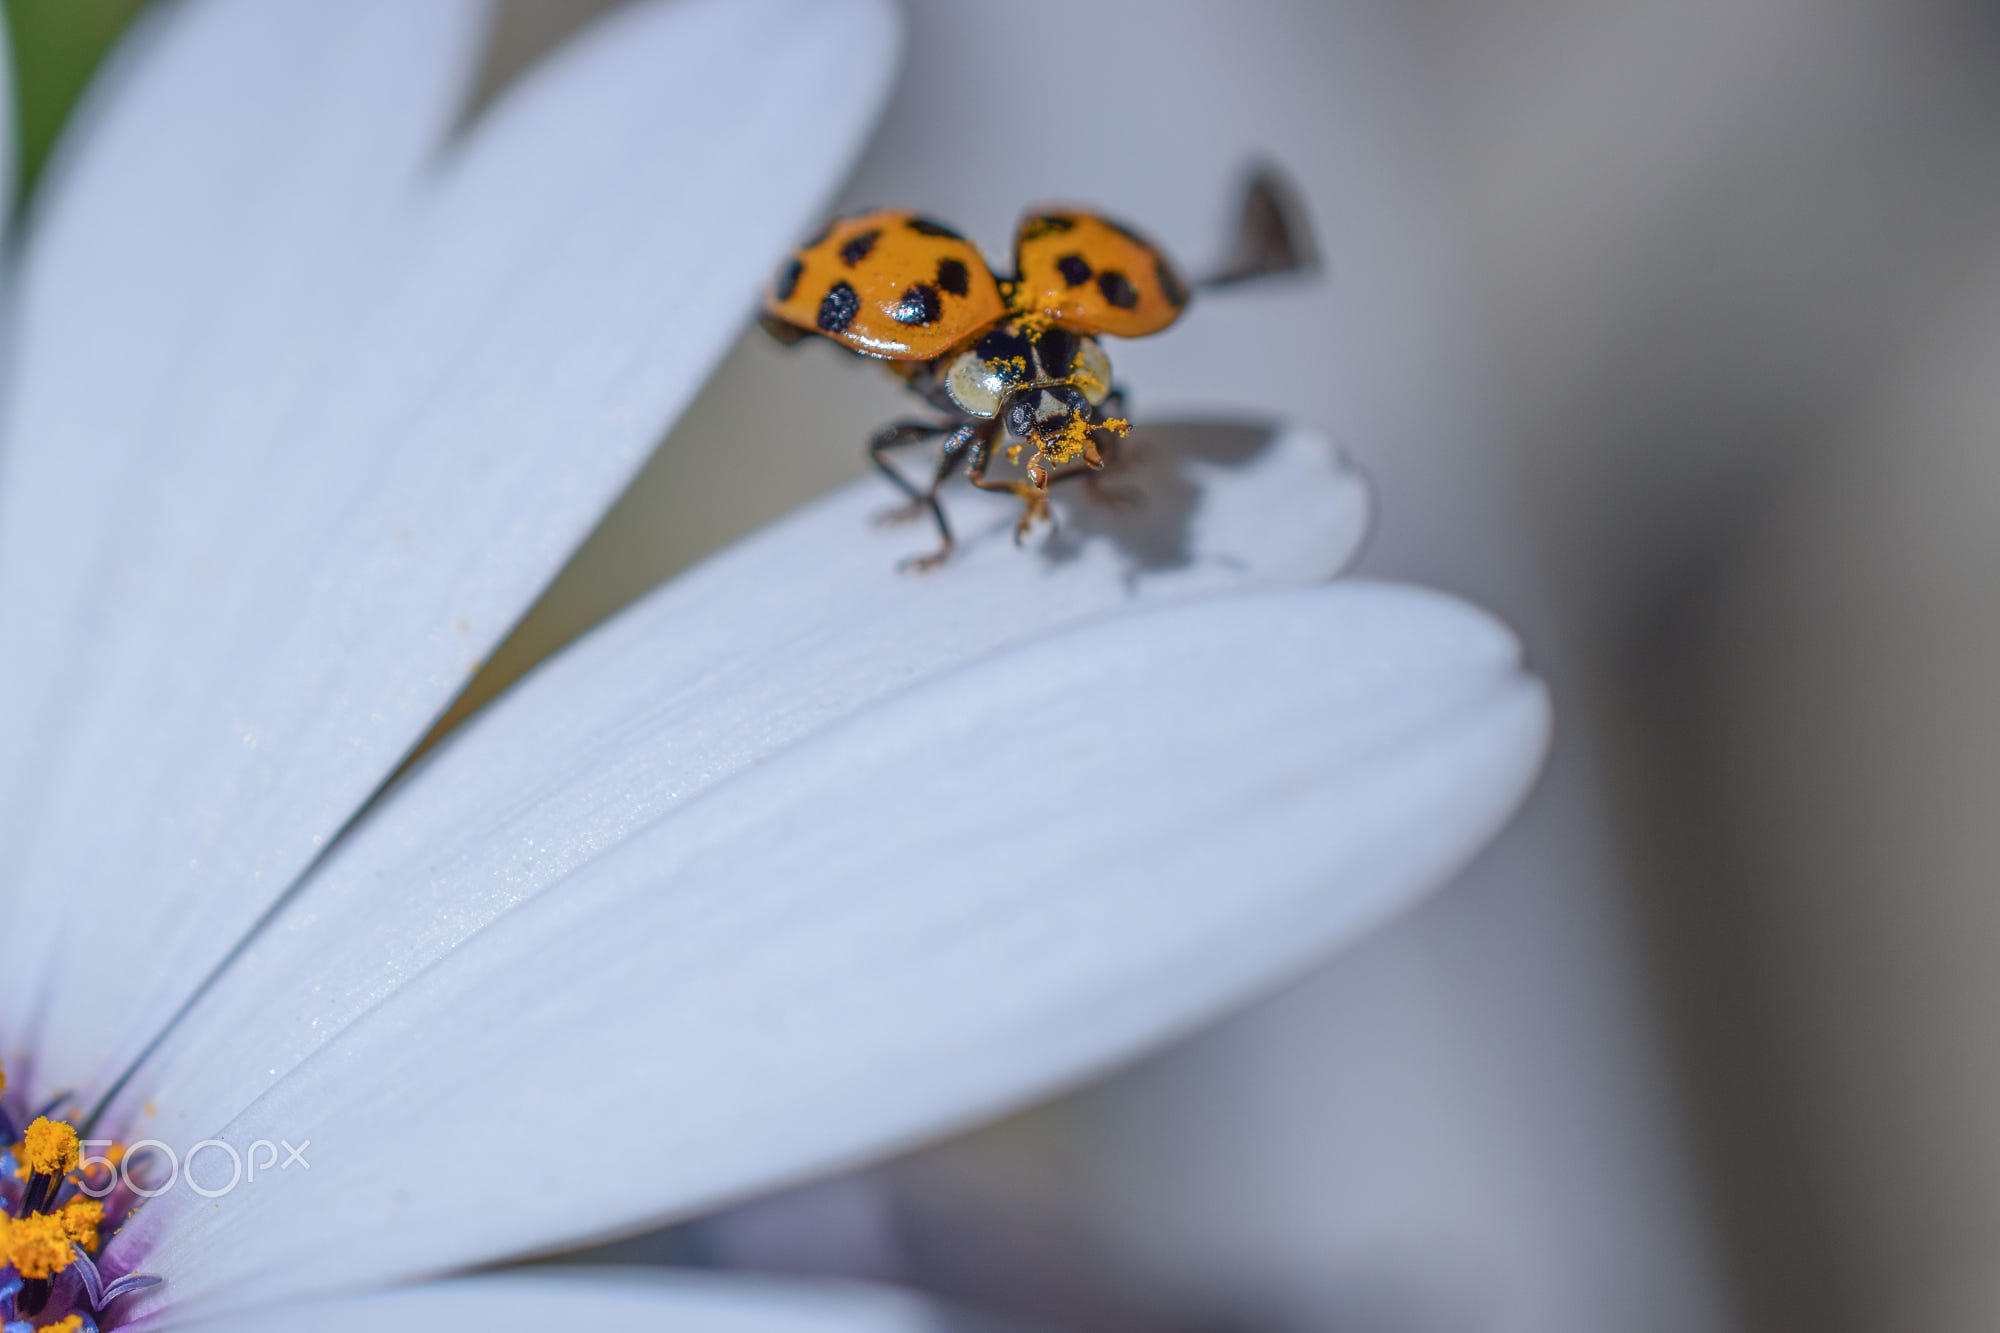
894	436
1107	427
1034	492
1070	471
1109	444
972	436
1112	497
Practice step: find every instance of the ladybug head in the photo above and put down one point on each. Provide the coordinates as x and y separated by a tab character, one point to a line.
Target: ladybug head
1055	418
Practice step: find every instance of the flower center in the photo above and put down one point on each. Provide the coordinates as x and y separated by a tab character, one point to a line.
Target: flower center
55	1208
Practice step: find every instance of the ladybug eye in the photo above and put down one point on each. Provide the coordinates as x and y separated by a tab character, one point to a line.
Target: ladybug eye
1021	415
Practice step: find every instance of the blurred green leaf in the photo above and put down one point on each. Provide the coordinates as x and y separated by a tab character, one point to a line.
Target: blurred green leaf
57	45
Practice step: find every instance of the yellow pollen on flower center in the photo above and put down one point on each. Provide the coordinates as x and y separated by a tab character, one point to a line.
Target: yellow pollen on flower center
50	1148
69	1323
36	1245
80	1219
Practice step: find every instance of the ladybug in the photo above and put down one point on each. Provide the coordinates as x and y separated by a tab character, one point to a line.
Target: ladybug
1012	362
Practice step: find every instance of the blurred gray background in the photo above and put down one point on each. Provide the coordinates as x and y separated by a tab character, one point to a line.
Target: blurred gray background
1671	330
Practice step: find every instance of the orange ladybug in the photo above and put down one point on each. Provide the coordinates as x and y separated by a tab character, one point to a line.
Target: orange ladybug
1004	358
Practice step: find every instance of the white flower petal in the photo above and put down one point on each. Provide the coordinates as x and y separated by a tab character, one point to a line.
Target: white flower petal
612	1300
566	282
791	630
197	241
978	891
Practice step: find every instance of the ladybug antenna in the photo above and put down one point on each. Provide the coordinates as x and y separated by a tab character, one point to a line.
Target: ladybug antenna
1272	233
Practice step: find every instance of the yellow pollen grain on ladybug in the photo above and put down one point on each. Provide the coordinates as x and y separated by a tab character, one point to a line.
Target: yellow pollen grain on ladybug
1069	444
1075	438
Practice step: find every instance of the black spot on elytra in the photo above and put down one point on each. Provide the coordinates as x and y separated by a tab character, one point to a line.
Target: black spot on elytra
838	308
1075	270
1046	225
1057	350
926	227
953	277
1117	289
920	305
855	248
788	280
1006	353
1170	283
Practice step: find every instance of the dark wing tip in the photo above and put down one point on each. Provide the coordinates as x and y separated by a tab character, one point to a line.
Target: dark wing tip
1273	234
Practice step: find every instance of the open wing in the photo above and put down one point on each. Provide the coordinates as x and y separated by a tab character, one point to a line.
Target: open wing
1090	274
890	284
